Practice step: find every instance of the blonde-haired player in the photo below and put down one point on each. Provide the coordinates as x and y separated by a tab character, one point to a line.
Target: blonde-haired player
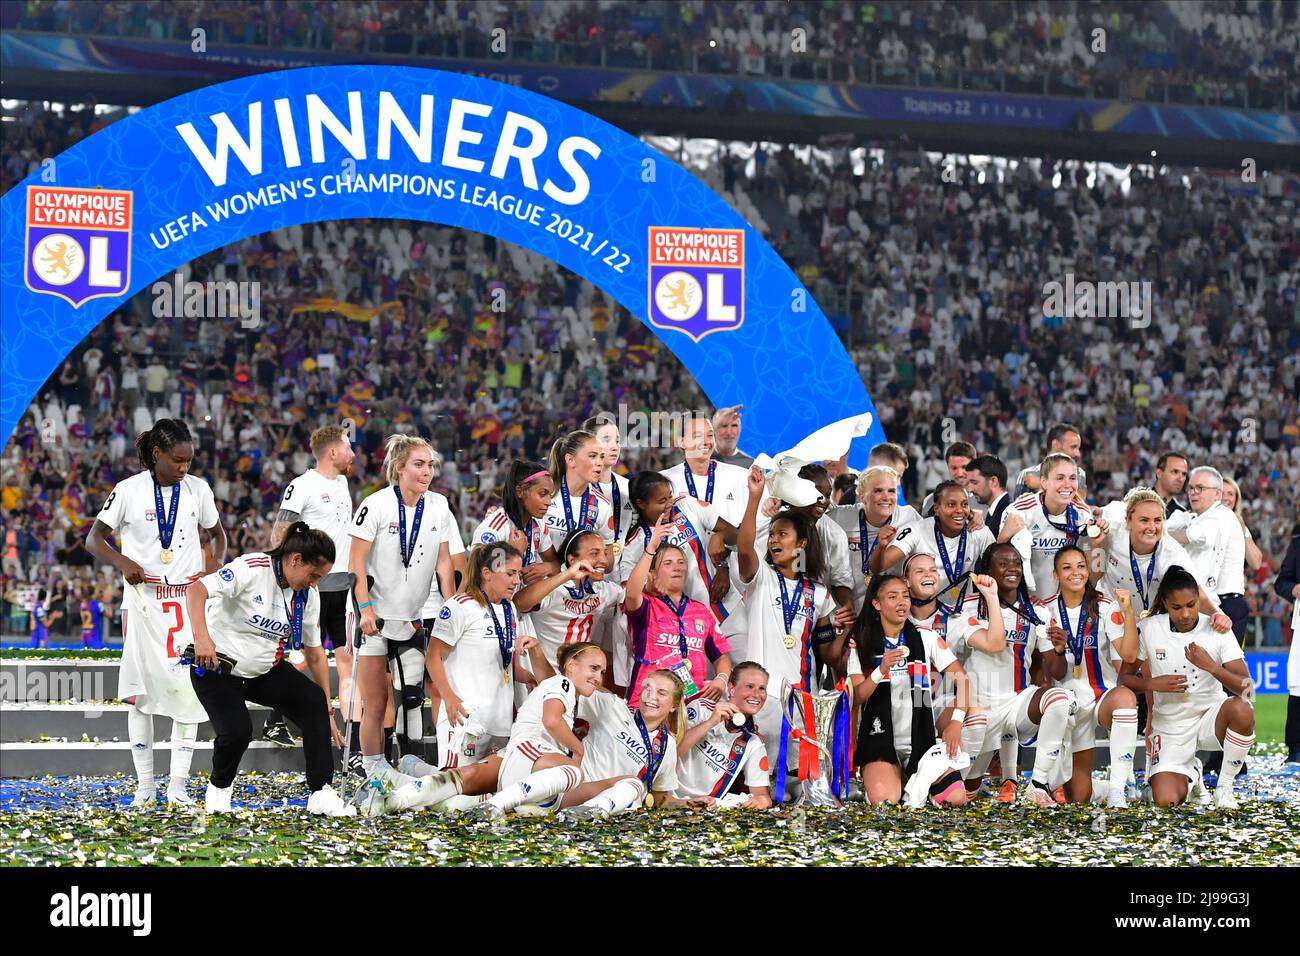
877	507
400	538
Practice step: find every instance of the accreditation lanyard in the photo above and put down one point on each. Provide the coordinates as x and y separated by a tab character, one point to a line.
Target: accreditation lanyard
679	611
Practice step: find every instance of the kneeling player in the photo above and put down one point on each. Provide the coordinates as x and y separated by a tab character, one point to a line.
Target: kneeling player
1093	628
1015	707
897	736
723	742
1187	665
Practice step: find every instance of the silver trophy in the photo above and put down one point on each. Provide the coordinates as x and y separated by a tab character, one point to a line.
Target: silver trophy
817	791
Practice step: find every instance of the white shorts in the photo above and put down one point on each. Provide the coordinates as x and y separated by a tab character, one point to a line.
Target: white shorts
377	646
517	762
484	746
1083	732
1010	717
1173	751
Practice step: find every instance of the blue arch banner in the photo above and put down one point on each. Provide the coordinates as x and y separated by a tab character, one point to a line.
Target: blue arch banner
138	200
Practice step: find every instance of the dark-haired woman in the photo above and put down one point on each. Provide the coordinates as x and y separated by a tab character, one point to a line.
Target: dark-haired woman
788	611
159	514
575	465
563	607
1093	627
262	604
520	520
897	736
1186	666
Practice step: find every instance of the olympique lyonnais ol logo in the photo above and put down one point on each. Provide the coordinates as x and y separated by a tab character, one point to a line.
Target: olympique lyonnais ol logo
78	242
697	280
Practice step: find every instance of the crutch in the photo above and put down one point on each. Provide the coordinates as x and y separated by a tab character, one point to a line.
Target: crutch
358	641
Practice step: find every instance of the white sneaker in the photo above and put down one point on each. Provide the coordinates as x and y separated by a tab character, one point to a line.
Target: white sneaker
413	766
371	798
326	802
177	794
1035	795
1224	798
1197	794
145	796
486	812
394	778
217	800
1118	798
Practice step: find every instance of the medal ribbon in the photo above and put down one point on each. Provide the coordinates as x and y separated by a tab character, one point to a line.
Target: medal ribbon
529	554
696	545
690	481
1137	576
953	575
296	615
401	526
506	637
616	497
654	750
582	510
1073	641
679	611
1071	521
166	520
862	540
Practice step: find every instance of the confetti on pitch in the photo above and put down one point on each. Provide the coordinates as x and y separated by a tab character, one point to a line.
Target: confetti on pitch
84	821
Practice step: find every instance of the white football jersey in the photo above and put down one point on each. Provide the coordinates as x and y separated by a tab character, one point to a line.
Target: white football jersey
939	656
693	525
1094	657
249	614
712	766
561	521
130	510
528	722
401	592
474	666
620	502
1164	651
730	494
1049	534
614	746
497	526
852	519
923	536
325	505
997	678
768	635
1120	561
1217	546
567	615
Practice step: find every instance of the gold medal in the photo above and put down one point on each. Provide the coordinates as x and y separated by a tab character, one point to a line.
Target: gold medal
617	549
1093	531
1078	672
166	556
790	642
866	580
649	799
505	678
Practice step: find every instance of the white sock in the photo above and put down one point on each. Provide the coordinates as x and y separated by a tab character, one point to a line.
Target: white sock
433	790
183	737
139	728
1051	733
374	763
972	737
1123	741
1235	748
1009	757
621	797
539	787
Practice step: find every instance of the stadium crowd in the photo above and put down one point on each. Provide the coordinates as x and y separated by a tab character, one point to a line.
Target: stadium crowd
353	313
1235	52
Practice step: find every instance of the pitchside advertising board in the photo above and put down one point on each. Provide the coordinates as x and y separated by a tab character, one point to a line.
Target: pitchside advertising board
138	200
